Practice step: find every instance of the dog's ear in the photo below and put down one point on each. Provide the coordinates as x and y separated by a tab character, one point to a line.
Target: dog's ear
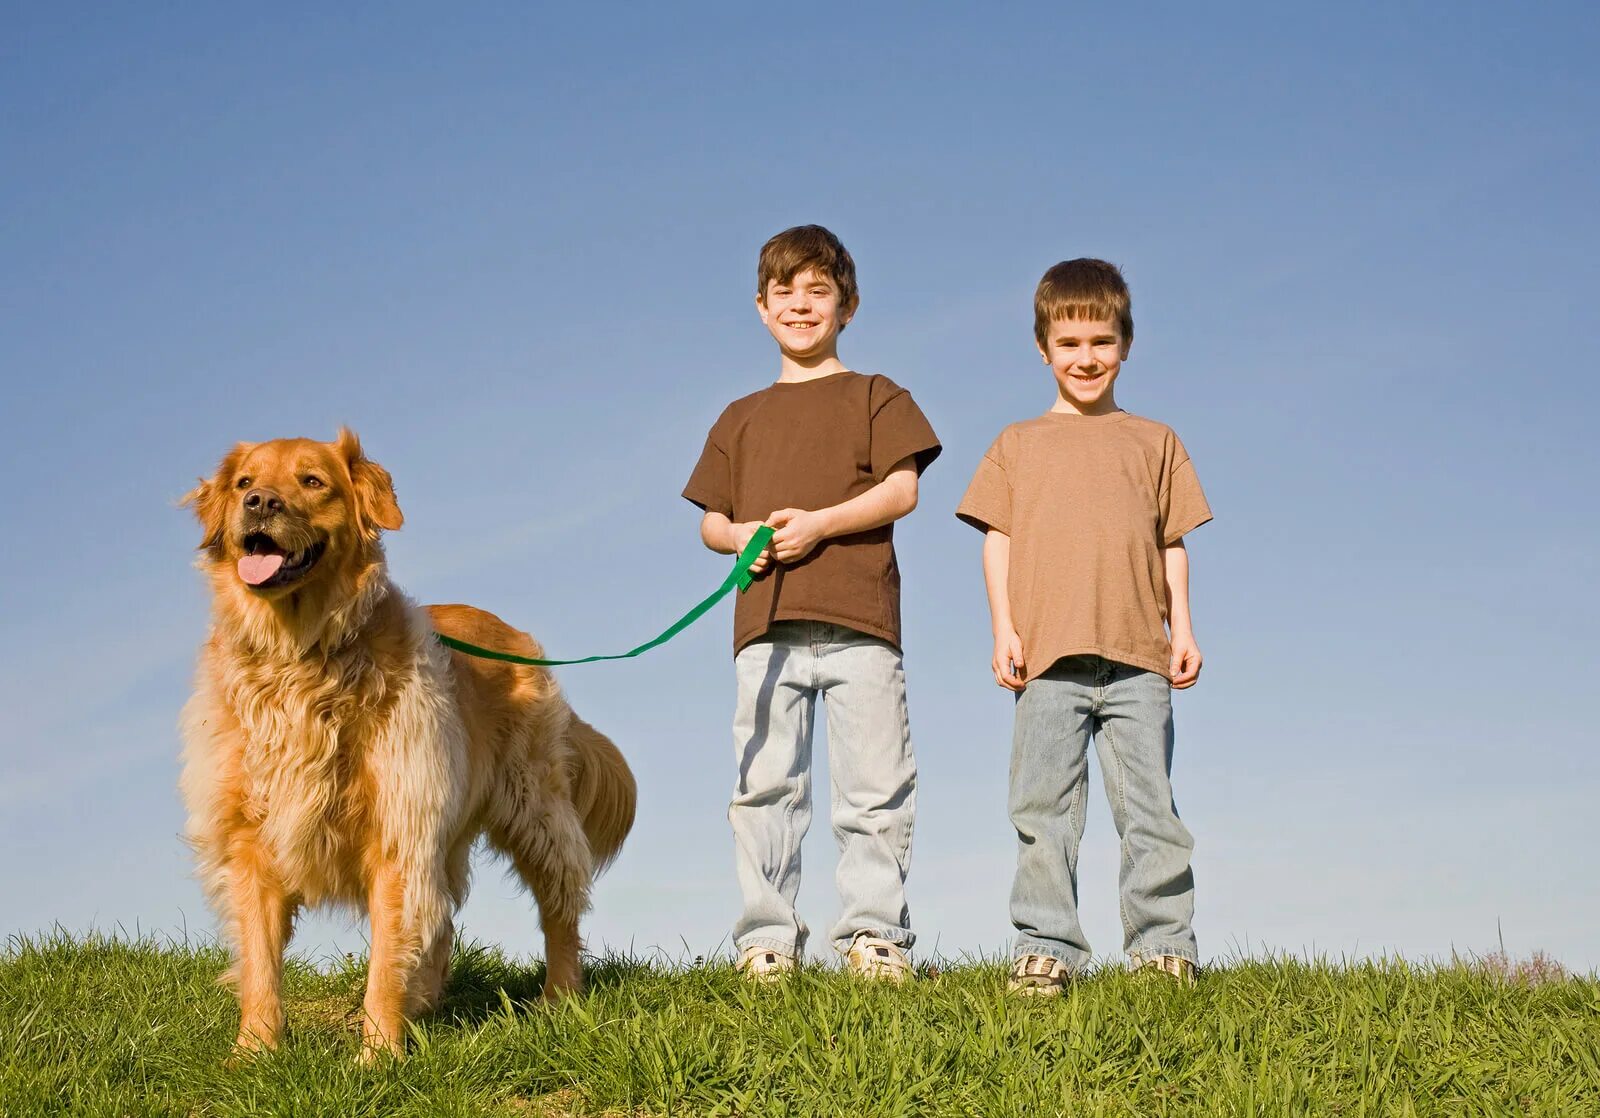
209	499
376	507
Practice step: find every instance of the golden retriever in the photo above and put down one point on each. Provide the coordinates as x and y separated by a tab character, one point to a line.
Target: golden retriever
336	752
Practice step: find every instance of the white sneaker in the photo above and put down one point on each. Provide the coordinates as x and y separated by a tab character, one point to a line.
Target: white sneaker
871	957
1038	976
764	965
1176	966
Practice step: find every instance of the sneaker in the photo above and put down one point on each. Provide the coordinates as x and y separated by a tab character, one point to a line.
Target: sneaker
1038	976
1177	967
764	965
871	957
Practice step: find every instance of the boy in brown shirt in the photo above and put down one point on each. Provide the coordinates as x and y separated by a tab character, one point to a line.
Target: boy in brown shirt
830	458
1084	511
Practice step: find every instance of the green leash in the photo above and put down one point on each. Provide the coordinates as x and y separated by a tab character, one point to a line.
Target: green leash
740	576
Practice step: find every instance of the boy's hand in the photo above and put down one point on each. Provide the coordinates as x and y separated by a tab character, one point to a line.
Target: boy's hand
798	532
739	535
1186	661
1009	667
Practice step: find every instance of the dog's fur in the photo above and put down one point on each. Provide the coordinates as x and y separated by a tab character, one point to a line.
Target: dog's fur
336	752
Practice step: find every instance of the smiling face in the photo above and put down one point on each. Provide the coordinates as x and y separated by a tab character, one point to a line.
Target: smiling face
281	516
284	512
804	315
1085	355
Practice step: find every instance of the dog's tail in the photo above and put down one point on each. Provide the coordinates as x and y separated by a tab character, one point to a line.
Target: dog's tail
604	792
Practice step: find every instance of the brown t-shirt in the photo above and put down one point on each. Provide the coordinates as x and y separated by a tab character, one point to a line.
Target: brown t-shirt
809	445
1089	503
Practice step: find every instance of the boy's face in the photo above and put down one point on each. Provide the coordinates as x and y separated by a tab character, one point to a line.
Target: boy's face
804	315
1085	356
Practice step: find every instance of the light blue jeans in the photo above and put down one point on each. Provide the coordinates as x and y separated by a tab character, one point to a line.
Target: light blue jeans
863	687
1128	712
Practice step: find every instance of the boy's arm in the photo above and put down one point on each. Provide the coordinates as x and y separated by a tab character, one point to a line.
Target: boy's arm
1009	669
800	530
1186	657
726	537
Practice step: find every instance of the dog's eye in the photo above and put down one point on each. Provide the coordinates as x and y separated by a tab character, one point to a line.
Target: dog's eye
242	483
311	481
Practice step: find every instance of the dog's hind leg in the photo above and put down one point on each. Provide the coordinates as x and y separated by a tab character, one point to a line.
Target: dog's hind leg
261	915
563	947
551	855
562	900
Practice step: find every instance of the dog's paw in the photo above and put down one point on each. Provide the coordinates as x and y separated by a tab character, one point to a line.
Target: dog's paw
376	1050
247	1048
555	995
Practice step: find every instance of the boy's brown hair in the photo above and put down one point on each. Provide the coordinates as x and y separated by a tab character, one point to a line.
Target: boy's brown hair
807	246
1084	288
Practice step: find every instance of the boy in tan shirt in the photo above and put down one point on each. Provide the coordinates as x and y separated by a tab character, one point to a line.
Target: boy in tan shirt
1084	511
830	458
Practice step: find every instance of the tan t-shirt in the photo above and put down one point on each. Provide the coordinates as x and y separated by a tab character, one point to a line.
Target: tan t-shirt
810	445
1089	503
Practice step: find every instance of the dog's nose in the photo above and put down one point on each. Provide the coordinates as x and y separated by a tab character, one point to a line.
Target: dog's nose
263	501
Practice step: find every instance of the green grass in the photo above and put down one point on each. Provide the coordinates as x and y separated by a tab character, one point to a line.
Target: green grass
117	1027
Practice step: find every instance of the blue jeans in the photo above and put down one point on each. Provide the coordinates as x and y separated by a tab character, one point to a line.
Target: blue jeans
1128	712
863	687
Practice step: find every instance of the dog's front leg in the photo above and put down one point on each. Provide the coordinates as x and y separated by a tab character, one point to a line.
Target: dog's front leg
427	984
396	950
262	914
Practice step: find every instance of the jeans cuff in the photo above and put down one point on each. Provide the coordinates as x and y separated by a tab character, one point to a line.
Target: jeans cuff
902	938
765	943
1074	959
1146	952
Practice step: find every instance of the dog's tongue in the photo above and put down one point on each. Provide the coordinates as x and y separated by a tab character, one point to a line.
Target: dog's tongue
256	569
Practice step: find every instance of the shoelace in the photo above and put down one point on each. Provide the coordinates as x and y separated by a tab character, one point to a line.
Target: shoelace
1039	966
880	955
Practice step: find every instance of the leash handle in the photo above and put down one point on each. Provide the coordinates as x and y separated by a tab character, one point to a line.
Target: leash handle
739	578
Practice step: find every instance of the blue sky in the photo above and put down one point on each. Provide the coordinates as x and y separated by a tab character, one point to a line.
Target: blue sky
515	249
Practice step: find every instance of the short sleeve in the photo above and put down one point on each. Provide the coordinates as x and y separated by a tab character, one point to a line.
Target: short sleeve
1183	503
987	501
899	429
711	484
